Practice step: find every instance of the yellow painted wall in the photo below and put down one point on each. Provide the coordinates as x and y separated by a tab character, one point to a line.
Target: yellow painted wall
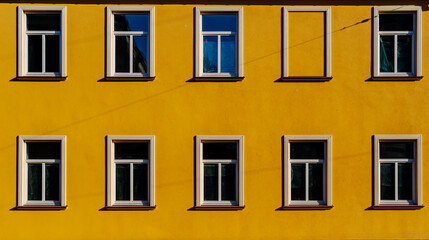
85	109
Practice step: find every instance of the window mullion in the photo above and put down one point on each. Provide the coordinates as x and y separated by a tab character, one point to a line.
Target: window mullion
131	53
396	182
131	181
43	182
43	53
219	189
395	49
306	182
218	53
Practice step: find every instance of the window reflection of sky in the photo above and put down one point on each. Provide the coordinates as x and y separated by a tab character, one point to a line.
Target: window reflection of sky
220	22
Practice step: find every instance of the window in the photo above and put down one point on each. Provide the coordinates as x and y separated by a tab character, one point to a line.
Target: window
219	42
130	42
42	41
397	41
397	170
42	169
219	166
307	171
131	170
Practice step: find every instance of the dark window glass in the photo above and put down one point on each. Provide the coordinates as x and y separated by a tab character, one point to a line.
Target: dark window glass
227	47
40	22
52	53
396	22
397	150
122	54
132	22
140	48
123	182
132	150
35	53
211	182
307	150
387	53
52	181
220	22
210	54
298	181
228	182
405	181
387	181
315	181
140	179
34	181
220	150
404	53
43	150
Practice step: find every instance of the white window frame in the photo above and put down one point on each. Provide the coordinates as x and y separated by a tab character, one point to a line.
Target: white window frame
23	41
199	11
23	169
416	64
327	11
111	163
199	163
110	40
327	170
417	169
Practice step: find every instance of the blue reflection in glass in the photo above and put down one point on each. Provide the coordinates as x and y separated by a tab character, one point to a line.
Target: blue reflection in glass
132	22
140	54
227	48
210	54
220	22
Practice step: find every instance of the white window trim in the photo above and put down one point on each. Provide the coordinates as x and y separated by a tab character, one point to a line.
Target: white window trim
287	139
22	169
417	186
199	40
327	11
22	40
199	166
417	45
110	53
111	169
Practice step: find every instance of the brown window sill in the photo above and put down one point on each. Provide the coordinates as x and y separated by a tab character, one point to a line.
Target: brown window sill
128	208
396	78
40	207
306	207
396	207
217	79
142	79
40	78
306	79
217	208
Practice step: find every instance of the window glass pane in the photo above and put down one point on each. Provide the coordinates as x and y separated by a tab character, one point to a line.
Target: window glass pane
34	181
131	150
396	22
386	53
405	181
228	182
35	53
211	182
52	53
307	150
39	22
397	150
227	54
43	150
140	47
220	150
220	22
210	54
404	53
140	178
315	181
122	182
298	181
387	181
132	22
122	54
52	182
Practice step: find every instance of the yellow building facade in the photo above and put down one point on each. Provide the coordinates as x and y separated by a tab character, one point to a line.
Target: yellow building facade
268	100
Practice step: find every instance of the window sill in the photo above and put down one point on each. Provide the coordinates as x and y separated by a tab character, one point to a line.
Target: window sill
217	208
119	79
396	78
306	79
128	208
40	207
306	207
217	79
396	207
40	78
